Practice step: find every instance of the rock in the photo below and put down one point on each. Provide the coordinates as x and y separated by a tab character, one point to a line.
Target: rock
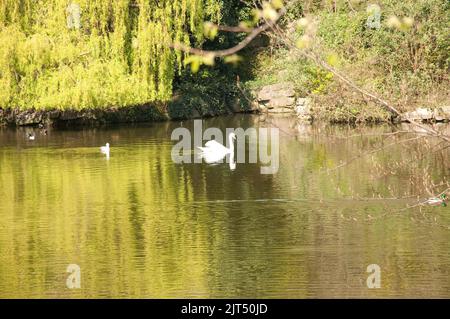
69	115
280	110
10	116
282	101
254	107
280	98
54	114
262	107
303	109
277	98
30	117
302	101
277	90
420	114
442	114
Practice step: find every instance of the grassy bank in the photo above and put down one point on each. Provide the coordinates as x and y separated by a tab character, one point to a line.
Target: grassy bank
405	63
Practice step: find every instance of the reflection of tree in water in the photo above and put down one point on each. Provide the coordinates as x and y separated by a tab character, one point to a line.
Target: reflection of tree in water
139	225
136	220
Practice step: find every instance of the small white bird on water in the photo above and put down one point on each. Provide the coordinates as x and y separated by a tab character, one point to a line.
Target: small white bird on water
31	137
214	151
105	150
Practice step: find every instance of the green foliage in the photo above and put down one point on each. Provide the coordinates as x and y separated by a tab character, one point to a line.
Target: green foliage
208	92
406	60
422	48
306	76
205	89
119	56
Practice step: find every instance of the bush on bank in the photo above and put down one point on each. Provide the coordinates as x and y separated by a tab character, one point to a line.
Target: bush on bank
406	66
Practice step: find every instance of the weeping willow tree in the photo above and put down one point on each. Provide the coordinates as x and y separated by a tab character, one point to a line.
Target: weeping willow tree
95	53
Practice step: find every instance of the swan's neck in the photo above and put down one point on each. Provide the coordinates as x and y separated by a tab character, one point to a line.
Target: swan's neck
230	140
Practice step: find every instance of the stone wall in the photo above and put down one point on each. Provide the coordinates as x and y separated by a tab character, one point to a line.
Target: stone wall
280	98
17	117
440	114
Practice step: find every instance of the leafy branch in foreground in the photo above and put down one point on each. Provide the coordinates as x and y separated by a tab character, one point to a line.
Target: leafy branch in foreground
269	14
308	47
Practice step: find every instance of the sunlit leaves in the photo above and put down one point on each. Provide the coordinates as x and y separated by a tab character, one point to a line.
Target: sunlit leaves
233	59
208	59
407	22
195	61
277	4
269	12
257	15
332	59
402	24
304	42
306	27
373	9
246	24
210	30
303	23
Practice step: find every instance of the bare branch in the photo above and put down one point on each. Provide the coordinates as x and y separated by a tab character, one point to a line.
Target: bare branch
234	29
241	45
309	54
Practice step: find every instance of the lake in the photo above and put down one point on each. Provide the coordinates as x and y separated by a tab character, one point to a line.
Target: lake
140	225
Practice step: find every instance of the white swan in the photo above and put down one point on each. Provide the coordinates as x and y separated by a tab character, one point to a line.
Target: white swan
105	150
213	151
31	137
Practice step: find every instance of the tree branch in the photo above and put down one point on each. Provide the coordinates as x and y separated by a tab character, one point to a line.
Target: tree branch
226	28
241	45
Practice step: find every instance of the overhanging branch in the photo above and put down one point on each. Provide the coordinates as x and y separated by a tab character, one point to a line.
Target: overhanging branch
241	45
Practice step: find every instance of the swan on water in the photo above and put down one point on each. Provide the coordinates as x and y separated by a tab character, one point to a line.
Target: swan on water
214	152
31	137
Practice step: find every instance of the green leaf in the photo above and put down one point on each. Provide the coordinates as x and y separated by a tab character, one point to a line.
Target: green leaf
233	59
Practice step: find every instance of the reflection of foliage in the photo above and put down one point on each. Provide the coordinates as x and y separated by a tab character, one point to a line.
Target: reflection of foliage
317	158
141	226
393	173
